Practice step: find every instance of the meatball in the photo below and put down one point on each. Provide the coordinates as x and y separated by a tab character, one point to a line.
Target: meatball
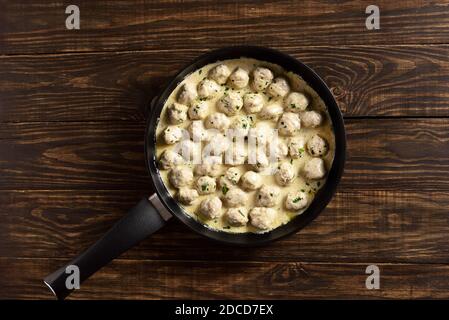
267	196
197	131
278	88
220	73
289	124
187	94
317	146
211	166
251	180
170	159
262	218
206	185
314	169
260	162
230	103
262	77
217	121
172	134
187	195
271	112
235	197
296	102
311	119
177	113
240	126
237	217
233	174
188	149
239	78
260	135
210	208
216	146
198	110
253	102
180	177
285	174
296	147
296	200
207	88
277	150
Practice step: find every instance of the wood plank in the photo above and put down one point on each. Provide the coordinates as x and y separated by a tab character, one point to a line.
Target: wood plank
392	154
134	25
357	226
136	279
366	81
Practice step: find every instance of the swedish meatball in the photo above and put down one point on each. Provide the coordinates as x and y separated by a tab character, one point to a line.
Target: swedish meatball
271	112
262	77
240	126
172	134
296	147
285	174
253	102
296	102
251	180
311	119
261	217
170	159
278	88
210	208
317	146
230	103
187	195
177	113
235	197
233	174
180	177
197	131
217	145
207	88
237	217
188	149
267	196
198	110
314	169
296	200
239	78
220	73
260	162
289	124
277	149
210	166
206	185
187	94
217	121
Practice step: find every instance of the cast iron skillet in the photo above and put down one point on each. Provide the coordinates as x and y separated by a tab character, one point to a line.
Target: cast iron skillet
151	214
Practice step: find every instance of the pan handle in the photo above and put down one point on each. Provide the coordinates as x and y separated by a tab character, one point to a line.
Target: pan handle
148	216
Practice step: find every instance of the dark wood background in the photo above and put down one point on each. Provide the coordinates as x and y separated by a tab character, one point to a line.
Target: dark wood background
72	112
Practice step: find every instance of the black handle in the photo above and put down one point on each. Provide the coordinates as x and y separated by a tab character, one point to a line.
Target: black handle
140	222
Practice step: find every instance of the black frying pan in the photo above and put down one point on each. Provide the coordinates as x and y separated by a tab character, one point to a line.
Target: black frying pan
151	214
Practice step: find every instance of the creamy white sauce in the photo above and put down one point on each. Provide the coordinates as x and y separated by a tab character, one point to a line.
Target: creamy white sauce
325	130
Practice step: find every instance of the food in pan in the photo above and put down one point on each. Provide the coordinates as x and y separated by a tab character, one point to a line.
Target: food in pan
244	145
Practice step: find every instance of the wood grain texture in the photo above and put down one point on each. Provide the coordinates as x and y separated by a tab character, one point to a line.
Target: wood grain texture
378	81
388	154
357	226
136	25
146	279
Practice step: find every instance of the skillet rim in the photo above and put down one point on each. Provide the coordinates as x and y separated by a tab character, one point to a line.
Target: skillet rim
322	197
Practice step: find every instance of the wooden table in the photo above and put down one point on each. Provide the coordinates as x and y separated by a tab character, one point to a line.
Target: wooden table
72	113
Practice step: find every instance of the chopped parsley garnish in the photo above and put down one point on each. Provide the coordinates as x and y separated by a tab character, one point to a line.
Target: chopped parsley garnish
204	187
296	200
224	189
